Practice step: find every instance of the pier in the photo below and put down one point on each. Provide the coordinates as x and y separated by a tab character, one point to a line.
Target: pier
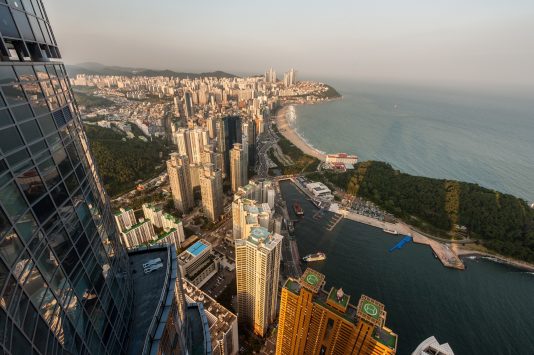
400	244
333	222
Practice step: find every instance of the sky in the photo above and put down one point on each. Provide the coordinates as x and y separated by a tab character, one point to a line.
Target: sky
488	42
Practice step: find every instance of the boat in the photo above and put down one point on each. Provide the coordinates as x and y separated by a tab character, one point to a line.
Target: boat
314	257
298	209
390	231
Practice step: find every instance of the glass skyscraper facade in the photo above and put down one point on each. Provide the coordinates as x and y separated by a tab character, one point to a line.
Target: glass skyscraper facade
64	276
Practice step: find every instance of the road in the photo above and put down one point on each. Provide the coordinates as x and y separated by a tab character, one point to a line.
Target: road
265	142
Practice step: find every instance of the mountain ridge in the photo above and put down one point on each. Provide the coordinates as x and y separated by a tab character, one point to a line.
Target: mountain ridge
93	68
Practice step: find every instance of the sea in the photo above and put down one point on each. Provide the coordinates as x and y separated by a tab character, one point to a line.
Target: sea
474	135
486	309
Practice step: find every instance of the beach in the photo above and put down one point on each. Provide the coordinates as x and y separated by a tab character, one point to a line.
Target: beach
289	133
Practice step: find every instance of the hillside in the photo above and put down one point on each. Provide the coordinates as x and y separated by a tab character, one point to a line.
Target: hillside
122	163
100	69
502	222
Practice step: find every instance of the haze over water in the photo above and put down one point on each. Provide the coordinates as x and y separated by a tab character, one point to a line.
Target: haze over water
456	134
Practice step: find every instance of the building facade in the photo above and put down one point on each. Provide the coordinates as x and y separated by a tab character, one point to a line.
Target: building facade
64	275
180	181
140	233
316	321
197	263
238	167
257	276
211	189
125	219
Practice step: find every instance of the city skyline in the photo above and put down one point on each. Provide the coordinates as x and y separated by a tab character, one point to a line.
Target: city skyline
446	41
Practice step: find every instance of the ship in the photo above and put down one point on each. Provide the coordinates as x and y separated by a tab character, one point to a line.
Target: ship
298	209
390	231
314	257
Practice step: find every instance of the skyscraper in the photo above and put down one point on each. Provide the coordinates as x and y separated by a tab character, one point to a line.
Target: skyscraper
316	321
257	275
211	190
67	284
238	166
180	180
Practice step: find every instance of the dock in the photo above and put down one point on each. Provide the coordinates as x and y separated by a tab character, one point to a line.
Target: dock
334	222
399	245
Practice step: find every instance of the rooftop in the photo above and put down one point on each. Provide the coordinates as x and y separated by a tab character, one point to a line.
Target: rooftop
386	337
312	280
197	248
338	299
261	236
371	310
145	303
220	319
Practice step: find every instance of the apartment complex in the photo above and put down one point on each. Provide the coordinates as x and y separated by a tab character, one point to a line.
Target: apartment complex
314	320
211	189
178	170
257	276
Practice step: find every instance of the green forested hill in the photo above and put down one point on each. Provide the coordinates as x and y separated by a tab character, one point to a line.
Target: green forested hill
122	163
503	222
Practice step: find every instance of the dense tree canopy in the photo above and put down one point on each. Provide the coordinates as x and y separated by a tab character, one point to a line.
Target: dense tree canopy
123	162
503	222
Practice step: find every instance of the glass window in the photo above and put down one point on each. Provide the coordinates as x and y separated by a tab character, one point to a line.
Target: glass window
30	131
15	4
49	172
26	227
35	287
13	201
5	118
7	75
51	71
10	139
59	194
4	225
42	74
40	107
7	25
4	273
10	248
37	8
25	73
14	94
22	112
23	25
31	184
38	147
47	124
19	161
44	208
60	157
36	29
28	6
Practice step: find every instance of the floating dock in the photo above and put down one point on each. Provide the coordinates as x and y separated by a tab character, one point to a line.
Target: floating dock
333	222
400	244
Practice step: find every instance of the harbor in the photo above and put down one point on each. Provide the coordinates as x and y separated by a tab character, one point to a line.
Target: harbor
358	256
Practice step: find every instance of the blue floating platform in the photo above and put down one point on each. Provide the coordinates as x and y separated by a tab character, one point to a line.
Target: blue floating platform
400	244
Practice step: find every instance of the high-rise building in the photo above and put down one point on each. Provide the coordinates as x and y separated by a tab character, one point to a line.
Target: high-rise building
67	284
211	190
188	104
180	180
316	321
125	218
238	167
253	206
270	76
290	78
140	233
257	274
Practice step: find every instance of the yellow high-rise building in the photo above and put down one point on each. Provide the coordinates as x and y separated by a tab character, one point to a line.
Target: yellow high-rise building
316	321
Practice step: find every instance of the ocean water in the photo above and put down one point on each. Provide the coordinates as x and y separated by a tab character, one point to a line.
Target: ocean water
444	133
486	309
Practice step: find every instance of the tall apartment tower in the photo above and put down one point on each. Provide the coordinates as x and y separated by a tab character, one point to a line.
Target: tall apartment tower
180	180
238	167
125	219
257	276
314	320
211	190
67	284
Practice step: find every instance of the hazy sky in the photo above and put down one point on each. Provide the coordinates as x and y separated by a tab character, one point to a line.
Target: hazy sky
486	41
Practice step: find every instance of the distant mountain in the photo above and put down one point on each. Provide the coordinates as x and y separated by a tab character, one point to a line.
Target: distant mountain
91	68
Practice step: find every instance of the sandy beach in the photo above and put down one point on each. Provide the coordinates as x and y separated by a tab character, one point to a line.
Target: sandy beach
288	132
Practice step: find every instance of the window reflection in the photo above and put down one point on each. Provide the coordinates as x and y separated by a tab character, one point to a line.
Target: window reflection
13	94
31	184
13	201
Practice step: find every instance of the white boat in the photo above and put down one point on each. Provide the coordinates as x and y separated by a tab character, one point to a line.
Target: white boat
314	257
390	231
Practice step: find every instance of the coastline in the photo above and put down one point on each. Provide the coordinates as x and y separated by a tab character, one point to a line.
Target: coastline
449	256
290	134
